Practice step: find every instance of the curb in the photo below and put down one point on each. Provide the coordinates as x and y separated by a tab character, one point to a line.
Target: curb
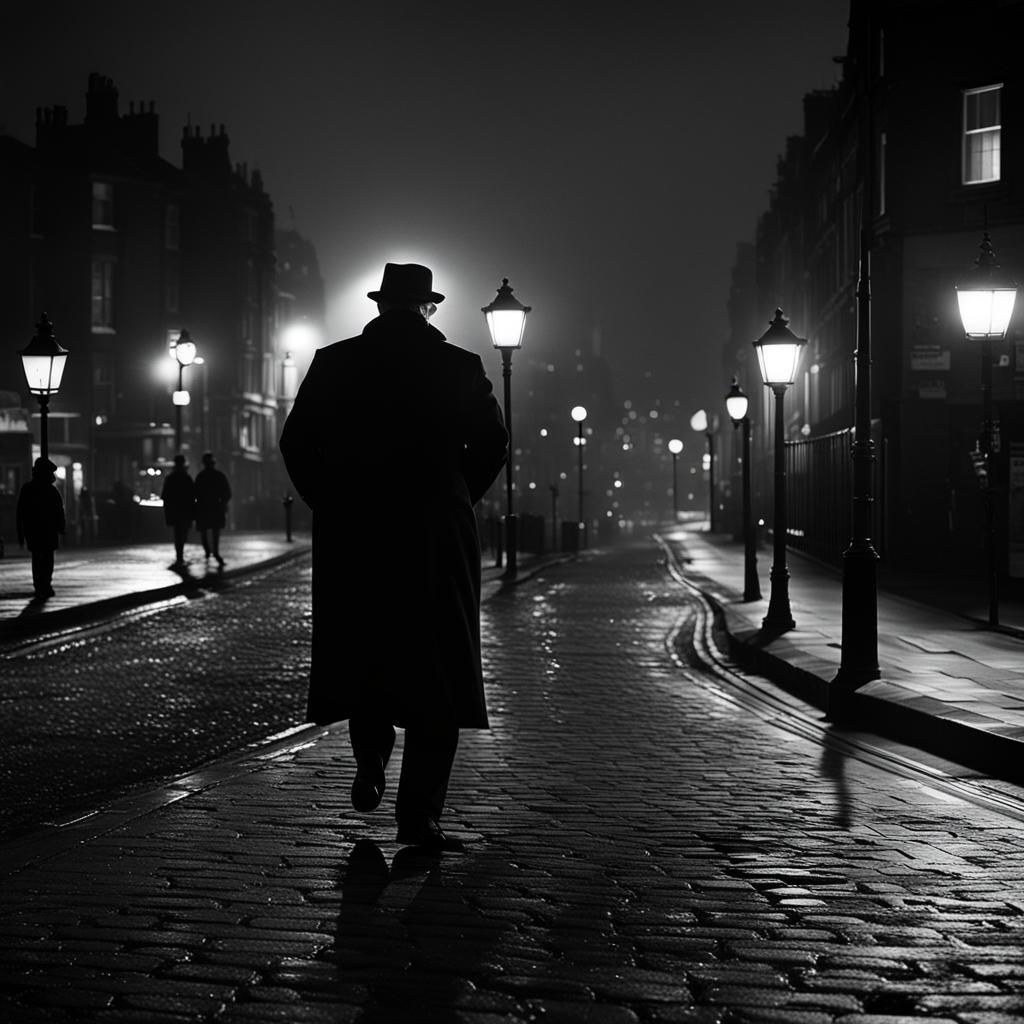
981	750
27	626
48	841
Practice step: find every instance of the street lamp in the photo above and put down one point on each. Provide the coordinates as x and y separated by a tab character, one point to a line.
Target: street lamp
986	301
706	425
675	446
185	354
736	404
778	351
506	319
579	414
43	359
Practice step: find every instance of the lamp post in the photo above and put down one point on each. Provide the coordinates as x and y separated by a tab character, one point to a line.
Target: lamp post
778	351
986	301
43	360
706	424
579	414
185	354
506	319
736	404
675	446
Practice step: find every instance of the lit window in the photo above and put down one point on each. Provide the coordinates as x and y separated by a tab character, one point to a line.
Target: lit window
103	205
982	134
102	295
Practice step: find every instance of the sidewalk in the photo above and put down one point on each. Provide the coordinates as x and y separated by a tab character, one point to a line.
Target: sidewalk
89	582
948	684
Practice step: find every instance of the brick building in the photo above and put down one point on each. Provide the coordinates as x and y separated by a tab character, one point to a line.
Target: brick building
124	250
924	117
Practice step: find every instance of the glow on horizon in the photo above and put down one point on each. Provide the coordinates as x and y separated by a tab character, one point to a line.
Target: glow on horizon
349	310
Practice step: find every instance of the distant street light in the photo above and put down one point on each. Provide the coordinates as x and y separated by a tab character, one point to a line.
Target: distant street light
43	360
778	351
736	404
986	300
579	414
185	354
707	425
675	446
506	320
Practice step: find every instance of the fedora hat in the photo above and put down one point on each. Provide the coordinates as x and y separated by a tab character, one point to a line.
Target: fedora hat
406	282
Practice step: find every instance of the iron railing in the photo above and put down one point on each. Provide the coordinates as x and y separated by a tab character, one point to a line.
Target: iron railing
819	477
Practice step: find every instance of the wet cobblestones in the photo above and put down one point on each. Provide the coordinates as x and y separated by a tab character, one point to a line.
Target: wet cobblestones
639	851
151	696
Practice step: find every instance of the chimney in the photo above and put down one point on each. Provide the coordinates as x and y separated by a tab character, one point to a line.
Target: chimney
100	101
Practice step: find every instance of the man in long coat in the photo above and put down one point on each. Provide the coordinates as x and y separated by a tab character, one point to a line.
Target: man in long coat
213	492
393	437
179	497
40	522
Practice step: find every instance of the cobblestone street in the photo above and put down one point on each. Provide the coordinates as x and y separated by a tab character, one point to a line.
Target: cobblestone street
640	849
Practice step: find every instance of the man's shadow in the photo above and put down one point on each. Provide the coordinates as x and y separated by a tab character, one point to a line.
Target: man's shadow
407	935
833	766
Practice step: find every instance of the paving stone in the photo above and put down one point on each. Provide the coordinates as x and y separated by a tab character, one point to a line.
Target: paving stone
656	871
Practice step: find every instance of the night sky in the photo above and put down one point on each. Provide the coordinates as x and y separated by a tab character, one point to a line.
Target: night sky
605	157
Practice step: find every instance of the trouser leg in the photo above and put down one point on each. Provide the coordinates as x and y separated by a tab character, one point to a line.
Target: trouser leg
204	537
426	767
372	740
42	571
180	536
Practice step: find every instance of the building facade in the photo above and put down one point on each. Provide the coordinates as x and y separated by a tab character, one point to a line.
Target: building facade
920	136
124	251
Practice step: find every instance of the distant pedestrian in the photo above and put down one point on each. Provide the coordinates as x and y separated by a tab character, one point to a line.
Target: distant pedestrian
179	498
213	492
40	522
86	516
396	583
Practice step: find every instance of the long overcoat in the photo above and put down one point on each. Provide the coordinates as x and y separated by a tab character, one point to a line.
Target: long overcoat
40	514
213	492
393	437
179	497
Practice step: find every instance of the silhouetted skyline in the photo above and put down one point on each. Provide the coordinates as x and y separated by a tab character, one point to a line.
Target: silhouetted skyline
608	167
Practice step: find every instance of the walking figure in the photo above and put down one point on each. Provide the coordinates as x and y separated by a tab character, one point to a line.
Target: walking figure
40	522
179	498
393	438
213	492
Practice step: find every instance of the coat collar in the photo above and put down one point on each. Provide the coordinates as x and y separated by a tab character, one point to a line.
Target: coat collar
402	321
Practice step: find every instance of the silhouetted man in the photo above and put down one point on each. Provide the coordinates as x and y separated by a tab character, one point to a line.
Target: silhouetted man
213	492
179	498
393	437
40	522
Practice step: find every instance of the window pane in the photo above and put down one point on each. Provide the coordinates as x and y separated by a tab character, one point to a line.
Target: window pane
982	153
988	112
102	204
982	108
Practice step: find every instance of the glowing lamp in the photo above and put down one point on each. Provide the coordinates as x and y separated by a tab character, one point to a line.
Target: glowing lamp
43	360
579	413
506	318
185	350
986	297
675	446
181	398
736	402
778	352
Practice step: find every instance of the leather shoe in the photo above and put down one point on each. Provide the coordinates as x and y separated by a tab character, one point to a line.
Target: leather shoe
368	789
426	834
